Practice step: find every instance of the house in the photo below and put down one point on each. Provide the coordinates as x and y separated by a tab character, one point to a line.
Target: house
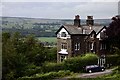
77	39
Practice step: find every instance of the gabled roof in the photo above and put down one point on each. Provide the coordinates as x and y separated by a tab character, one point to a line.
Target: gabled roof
71	29
101	29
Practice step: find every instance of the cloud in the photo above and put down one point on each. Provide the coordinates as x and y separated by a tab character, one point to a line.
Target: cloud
59	9
60	0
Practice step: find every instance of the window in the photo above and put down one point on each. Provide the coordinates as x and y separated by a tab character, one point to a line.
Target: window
102	46
64	45
63	34
92	46
77	46
92	35
62	57
84	31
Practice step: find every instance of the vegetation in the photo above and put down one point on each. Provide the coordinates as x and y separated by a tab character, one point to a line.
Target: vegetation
47	76
23	54
76	64
25	58
48	41
113	33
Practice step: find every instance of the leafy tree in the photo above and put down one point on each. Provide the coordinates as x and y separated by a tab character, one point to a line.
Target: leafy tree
113	32
19	53
13	62
52	55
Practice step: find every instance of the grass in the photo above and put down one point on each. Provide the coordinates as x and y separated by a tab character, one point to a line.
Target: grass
48	39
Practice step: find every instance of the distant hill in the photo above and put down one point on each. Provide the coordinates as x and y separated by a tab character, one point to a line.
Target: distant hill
40	27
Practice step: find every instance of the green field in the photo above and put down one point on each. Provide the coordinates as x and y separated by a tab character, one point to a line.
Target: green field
48	39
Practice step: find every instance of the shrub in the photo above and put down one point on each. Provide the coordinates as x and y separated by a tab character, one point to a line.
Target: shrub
76	64
48	67
47	76
112	59
31	71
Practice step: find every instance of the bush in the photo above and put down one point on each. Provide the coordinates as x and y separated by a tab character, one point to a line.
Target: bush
48	67
76	64
31	71
47	76
112	59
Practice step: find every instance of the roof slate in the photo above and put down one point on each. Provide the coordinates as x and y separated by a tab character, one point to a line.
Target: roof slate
79	30
73	29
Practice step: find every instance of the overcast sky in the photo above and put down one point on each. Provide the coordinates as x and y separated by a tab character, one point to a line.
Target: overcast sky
59	10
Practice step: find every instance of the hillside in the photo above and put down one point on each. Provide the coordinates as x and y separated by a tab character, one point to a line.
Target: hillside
40	27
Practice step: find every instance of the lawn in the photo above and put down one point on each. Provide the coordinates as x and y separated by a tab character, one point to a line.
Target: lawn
48	39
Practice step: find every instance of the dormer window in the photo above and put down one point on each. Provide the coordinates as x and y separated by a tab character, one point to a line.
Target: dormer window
92	35
63	34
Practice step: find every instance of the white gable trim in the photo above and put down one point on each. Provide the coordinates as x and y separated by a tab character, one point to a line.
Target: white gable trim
59	35
98	36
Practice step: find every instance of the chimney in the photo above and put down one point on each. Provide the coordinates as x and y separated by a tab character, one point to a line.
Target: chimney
90	21
77	21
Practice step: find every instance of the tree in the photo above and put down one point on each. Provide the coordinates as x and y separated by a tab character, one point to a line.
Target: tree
13	63
113	32
20	53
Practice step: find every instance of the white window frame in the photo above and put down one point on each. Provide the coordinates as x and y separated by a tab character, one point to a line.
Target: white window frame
77	46
92	46
102	46
62	58
63	46
63	34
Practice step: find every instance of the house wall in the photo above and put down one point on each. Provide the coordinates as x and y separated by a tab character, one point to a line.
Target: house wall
59	47
78	39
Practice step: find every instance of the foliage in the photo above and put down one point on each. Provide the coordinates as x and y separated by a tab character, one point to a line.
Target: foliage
21	54
113	32
94	79
115	75
112	59
47	76
48	39
76	64
48	67
52	54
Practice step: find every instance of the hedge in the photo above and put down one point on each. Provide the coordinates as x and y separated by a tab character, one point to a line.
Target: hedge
48	67
112	59
46	76
76	64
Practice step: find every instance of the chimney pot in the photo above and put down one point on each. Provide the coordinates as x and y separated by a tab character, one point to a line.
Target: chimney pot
90	20
77	20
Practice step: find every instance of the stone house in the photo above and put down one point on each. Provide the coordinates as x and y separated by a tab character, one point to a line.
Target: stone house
77	39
